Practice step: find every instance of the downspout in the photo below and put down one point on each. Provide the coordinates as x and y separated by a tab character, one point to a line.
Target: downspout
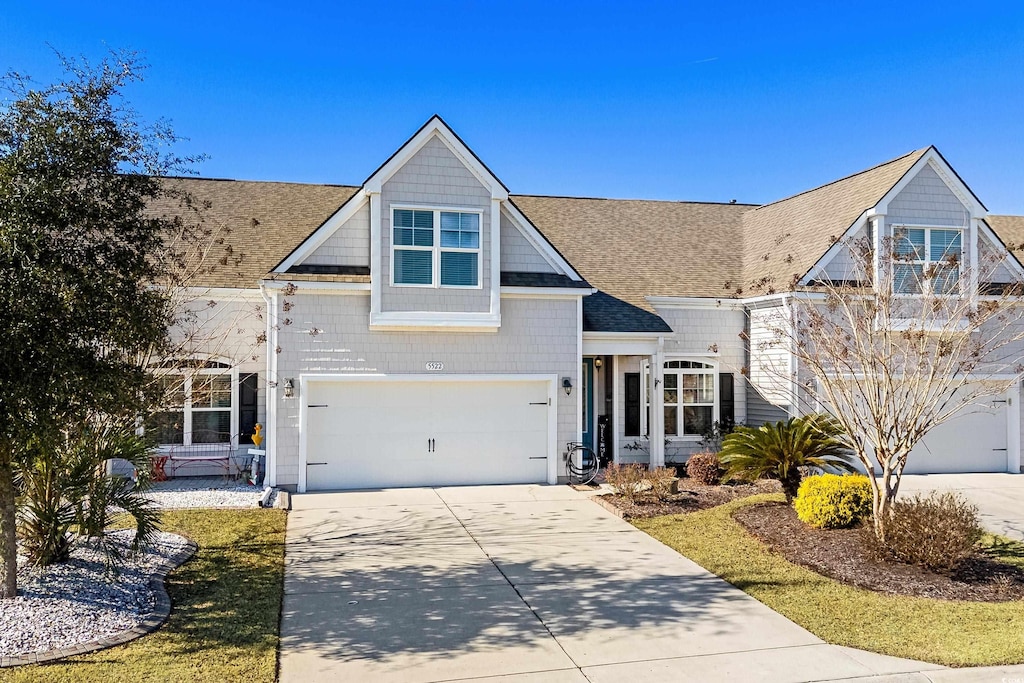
271	302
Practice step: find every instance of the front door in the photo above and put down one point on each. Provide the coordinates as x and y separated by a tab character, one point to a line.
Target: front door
587	399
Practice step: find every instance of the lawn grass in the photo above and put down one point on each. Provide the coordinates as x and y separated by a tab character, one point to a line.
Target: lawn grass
938	631
226	609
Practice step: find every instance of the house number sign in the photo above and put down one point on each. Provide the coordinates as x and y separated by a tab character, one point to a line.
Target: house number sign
434	366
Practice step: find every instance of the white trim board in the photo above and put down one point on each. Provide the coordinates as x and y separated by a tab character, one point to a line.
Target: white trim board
550	380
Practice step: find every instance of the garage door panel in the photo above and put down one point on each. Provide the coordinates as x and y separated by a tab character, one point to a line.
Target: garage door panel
376	434
973	441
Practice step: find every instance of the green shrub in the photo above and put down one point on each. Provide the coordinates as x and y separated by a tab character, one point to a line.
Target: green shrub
704	468
832	501
780	450
627	480
938	531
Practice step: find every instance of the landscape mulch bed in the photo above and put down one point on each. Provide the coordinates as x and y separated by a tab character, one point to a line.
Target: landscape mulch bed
691	497
844	555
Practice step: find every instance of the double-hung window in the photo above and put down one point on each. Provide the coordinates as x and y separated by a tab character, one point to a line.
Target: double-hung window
435	248
927	260
197	409
689	397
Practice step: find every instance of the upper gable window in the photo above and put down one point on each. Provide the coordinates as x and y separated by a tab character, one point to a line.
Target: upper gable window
435	248
927	260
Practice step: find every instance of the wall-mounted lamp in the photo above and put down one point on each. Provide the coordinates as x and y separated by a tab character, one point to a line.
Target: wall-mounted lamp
567	385
598	363
289	387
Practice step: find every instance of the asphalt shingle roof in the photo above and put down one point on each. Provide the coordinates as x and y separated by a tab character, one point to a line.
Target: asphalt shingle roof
627	249
784	239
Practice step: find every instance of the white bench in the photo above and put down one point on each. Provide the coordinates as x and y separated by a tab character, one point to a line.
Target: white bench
205	449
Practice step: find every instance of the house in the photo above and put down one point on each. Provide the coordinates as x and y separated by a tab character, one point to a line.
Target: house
428	327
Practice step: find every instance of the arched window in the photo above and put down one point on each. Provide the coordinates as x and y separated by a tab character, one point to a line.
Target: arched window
691	403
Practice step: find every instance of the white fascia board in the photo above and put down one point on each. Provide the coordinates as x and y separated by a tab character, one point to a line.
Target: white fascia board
321	235
416	320
539	242
946	173
436	127
620	344
833	251
330	287
691	302
546	292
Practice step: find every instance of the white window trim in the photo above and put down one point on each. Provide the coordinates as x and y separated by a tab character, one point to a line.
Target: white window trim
645	407
926	283
436	249
187	408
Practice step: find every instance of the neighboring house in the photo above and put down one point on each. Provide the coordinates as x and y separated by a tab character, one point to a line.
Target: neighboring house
428	327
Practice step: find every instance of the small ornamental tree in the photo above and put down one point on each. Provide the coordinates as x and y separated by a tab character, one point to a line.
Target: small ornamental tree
92	280
897	344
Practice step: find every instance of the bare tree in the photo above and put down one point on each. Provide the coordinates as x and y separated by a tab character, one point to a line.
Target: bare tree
899	339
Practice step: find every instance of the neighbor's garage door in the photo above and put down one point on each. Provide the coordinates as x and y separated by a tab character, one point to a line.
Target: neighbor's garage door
376	434
973	441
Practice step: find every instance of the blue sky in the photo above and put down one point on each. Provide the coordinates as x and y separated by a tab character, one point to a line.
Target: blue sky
706	101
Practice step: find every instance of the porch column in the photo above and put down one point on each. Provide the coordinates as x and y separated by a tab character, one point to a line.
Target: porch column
656	426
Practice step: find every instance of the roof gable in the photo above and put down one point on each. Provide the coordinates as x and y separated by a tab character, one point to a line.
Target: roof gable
785	239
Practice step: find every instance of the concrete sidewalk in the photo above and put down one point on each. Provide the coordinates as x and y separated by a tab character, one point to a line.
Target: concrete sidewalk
524	584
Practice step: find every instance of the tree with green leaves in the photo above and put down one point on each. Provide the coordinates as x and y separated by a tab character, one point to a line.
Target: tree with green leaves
79	258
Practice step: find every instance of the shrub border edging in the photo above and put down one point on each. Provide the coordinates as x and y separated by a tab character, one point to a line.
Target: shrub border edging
151	621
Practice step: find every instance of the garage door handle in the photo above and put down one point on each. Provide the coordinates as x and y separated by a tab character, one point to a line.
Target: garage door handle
310	464
541	403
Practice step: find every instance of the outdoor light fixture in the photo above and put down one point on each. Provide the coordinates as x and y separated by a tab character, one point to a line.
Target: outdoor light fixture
598	363
567	385
289	387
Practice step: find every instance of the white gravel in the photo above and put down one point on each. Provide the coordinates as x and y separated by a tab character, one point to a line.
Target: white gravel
78	601
206	492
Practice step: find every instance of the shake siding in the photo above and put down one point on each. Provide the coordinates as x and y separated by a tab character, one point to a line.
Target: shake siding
537	336
927	200
228	330
348	246
843	266
517	254
435	178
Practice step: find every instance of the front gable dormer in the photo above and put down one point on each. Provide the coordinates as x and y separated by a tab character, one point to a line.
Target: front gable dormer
429	228
935	226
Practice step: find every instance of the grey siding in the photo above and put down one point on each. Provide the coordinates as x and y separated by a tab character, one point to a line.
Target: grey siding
434	177
348	246
927	200
760	410
843	266
517	254
537	336
228	330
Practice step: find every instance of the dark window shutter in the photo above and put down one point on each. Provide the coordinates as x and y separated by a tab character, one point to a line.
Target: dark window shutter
726	401
632	404
248	394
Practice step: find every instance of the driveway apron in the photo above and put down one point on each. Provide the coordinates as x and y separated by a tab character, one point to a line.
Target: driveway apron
521	584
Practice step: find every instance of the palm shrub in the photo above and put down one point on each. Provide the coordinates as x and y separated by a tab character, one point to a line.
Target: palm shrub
65	488
832	501
782	450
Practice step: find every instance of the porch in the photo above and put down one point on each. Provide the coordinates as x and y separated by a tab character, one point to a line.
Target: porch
654	408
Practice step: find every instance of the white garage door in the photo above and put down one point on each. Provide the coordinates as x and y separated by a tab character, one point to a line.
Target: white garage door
973	441
377	434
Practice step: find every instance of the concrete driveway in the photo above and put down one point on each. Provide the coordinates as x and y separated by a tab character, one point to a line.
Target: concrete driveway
523	584
999	497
